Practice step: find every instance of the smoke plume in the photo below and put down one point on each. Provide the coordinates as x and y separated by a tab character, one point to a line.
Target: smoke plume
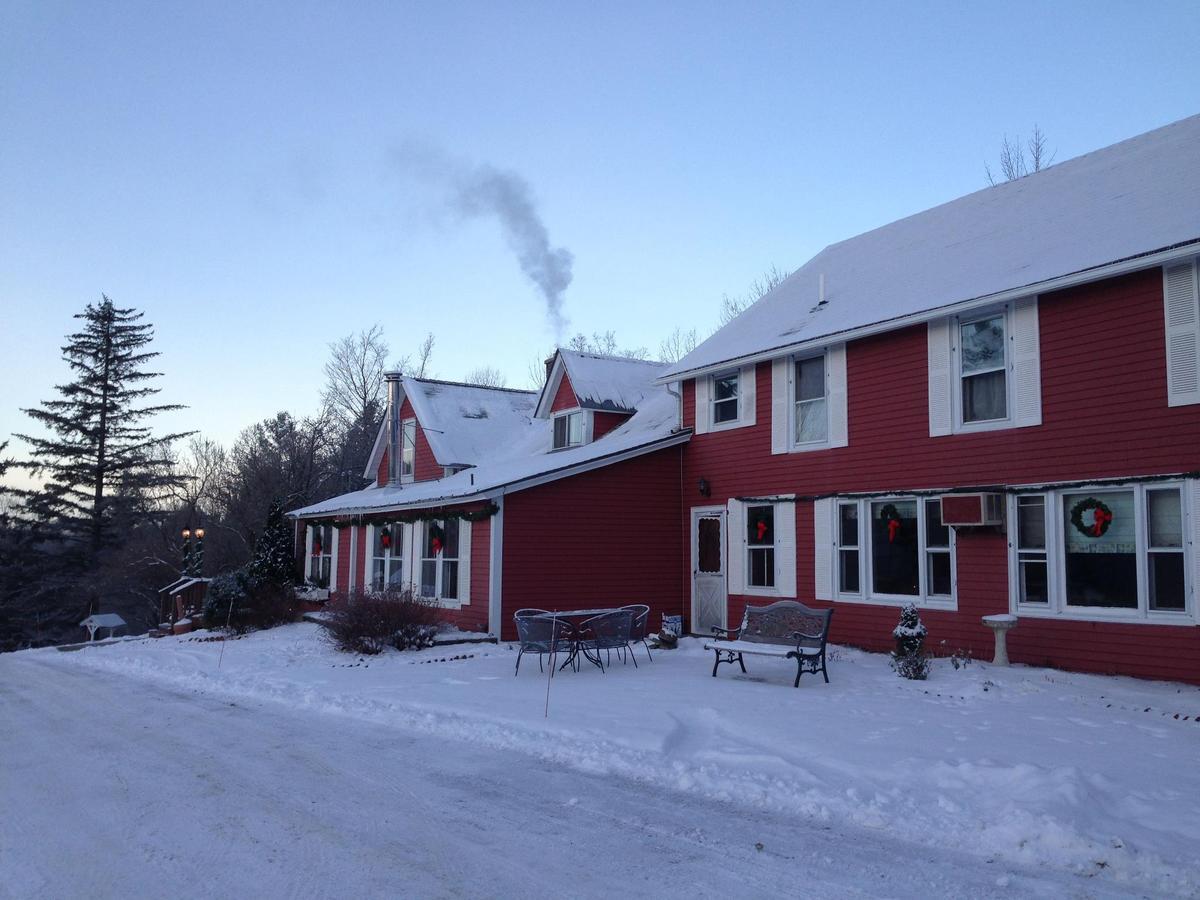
482	191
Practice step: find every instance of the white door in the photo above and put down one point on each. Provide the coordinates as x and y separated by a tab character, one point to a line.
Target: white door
709	599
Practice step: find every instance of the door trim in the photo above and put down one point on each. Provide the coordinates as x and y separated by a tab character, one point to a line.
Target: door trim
698	513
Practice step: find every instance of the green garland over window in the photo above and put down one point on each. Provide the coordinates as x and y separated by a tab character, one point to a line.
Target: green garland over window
415	515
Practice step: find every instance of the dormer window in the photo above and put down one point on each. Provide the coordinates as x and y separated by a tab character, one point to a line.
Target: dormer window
568	430
408	449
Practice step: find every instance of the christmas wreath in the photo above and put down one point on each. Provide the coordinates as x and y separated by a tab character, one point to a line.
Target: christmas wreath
1101	517
385	537
891	515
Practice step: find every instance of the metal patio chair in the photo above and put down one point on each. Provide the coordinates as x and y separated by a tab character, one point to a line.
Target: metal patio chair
641	615
543	635
608	632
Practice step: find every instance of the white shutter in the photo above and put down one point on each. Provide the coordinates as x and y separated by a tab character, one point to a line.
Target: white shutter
823	549
736	544
780	405
335	535
748	386
1182	314
410	551
785	549
368	572
835	368
1193	509
703	407
464	562
1026	363
941	374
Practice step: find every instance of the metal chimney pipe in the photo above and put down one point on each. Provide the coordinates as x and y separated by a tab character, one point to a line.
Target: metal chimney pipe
393	420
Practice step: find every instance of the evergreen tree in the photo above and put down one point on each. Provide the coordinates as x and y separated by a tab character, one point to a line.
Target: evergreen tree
101	461
273	558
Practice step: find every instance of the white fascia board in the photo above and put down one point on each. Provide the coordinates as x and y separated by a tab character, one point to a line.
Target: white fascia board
372	469
550	388
1149	260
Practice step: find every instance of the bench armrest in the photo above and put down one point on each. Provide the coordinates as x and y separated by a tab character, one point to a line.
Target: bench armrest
732	632
800	635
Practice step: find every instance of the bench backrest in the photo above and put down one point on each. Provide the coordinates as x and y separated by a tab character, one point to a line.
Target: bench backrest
775	624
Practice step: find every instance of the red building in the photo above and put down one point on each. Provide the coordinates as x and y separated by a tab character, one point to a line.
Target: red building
1022	362
490	500
989	407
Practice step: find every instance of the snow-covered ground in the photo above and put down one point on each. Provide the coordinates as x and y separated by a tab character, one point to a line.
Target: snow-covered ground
1004	782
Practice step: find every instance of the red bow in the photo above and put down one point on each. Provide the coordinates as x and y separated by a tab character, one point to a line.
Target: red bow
762	529
437	546
893	529
1100	518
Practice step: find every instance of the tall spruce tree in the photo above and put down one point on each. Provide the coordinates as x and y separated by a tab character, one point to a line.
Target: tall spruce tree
274	561
101	463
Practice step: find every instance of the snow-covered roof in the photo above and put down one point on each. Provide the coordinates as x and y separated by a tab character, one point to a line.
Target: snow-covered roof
465	422
522	458
103	620
182	584
601	382
1122	202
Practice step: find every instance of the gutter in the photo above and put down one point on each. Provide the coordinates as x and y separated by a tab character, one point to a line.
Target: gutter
1124	266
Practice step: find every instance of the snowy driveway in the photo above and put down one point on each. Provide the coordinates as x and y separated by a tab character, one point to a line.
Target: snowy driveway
144	786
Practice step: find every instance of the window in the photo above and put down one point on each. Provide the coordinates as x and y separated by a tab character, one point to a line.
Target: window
320	560
1031	550
848	560
937	551
983	369
891	550
812	414
725	398
387	557
408	449
1103	552
760	546
568	430
1164	547
439	559
895	548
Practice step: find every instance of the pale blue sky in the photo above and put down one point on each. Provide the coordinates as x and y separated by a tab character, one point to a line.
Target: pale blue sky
228	169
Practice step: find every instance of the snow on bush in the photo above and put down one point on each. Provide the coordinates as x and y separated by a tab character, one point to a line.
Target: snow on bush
370	622
909	659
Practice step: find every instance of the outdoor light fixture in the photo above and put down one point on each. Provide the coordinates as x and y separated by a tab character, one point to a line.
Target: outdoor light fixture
199	534
187	533
705	490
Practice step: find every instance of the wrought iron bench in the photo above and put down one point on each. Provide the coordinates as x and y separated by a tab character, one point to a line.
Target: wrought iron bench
786	629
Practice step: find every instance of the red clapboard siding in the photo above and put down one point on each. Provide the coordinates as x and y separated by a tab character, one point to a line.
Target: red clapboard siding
425	465
564	397
603	538
381	477
1104	414
604	422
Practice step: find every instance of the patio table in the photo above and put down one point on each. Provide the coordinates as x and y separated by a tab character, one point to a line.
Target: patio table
575	616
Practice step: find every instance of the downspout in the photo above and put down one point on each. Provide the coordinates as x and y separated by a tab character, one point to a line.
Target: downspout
685	527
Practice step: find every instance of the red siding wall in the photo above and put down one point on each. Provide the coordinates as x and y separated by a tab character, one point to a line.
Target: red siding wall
474	616
564	397
1104	414
425	466
604	422
381	477
602	538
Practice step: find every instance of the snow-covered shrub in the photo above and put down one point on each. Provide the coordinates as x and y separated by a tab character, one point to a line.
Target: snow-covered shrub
226	598
909	659
370	622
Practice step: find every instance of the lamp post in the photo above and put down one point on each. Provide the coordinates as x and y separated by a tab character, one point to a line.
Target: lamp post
198	555
187	551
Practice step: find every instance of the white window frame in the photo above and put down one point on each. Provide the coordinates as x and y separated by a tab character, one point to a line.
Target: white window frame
840	548
960	424
738	400
866	594
393	556
1056	549
327	552
585	428
439	561
761	590
793	402
408	450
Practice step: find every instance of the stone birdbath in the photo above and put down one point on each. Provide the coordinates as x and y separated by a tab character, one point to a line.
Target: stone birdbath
1000	624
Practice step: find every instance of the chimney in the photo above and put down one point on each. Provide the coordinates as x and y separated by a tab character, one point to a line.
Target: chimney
393	420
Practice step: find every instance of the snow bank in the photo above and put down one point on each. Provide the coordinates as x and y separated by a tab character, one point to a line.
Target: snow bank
1031	766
